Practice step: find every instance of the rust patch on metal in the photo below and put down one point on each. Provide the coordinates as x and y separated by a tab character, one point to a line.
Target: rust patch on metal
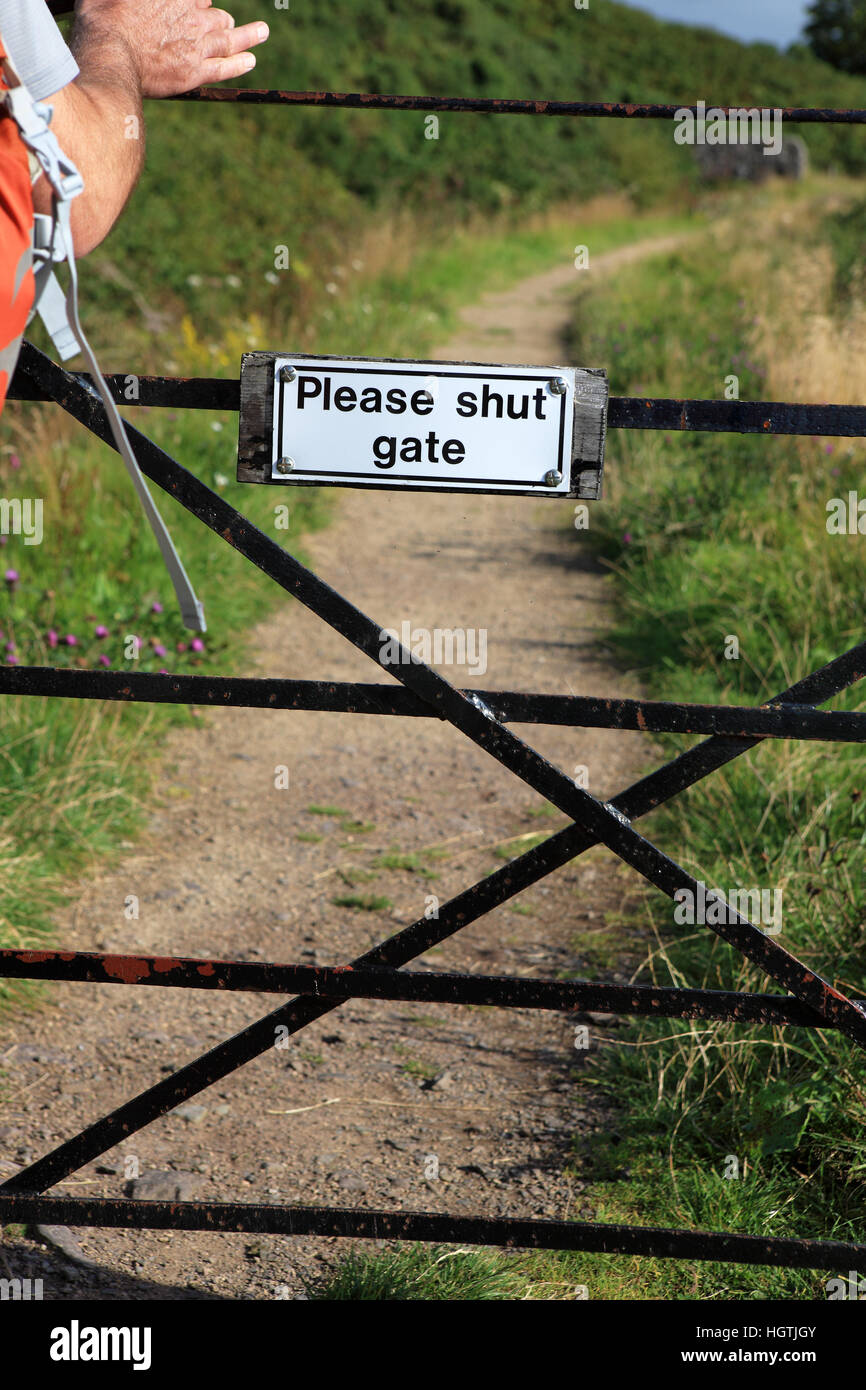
163	965
129	969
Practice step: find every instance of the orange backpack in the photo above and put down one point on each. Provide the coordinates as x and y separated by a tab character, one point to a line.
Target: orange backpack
17	288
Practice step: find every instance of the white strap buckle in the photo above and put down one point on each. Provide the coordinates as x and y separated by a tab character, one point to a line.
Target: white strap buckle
32	120
51	243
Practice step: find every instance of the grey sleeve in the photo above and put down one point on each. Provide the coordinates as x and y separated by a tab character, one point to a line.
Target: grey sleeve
36	47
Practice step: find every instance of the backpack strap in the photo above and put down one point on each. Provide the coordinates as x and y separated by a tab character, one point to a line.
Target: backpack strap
66	183
17	287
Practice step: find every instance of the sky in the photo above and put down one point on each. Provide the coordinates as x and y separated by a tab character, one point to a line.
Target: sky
777	21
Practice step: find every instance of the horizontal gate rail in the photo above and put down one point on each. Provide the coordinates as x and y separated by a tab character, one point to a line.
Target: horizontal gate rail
348	982
624	412
783	721
504	106
264	1219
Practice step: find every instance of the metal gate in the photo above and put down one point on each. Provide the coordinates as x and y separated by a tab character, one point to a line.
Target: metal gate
483	717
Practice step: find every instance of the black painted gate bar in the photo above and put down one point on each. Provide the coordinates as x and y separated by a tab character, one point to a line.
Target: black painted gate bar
788	721
419	986
624	412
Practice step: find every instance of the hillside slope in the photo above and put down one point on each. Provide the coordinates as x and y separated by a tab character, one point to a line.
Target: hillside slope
224	187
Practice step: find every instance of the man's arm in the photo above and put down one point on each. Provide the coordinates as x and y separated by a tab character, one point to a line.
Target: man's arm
127	50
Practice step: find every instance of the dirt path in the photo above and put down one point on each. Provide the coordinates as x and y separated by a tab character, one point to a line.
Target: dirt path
232	867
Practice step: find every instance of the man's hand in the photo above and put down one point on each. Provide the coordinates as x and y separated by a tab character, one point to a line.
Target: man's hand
175	45
126	50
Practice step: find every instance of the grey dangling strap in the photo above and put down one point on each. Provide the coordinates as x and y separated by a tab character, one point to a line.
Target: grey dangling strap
66	183
191	608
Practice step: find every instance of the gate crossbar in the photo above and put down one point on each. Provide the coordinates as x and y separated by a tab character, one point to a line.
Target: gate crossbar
779	720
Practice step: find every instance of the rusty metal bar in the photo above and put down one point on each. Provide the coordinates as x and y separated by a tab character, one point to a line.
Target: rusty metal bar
624	412
784	721
737	417
501	106
509	1232
346	982
170	392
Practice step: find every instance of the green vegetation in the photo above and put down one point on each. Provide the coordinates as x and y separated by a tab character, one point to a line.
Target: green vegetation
711	540
315	1059
413	1067
846	233
411	862
432	1275
836	32
201	232
363	902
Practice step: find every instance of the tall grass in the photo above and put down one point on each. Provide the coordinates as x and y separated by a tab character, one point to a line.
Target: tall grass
714	538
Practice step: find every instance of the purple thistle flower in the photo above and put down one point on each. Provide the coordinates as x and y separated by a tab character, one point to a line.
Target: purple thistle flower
52	638
11	577
181	646
70	640
159	649
11	661
103	659
626	537
101	631
197	645
156	606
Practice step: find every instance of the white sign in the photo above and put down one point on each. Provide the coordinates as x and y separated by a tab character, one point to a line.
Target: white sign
454	425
